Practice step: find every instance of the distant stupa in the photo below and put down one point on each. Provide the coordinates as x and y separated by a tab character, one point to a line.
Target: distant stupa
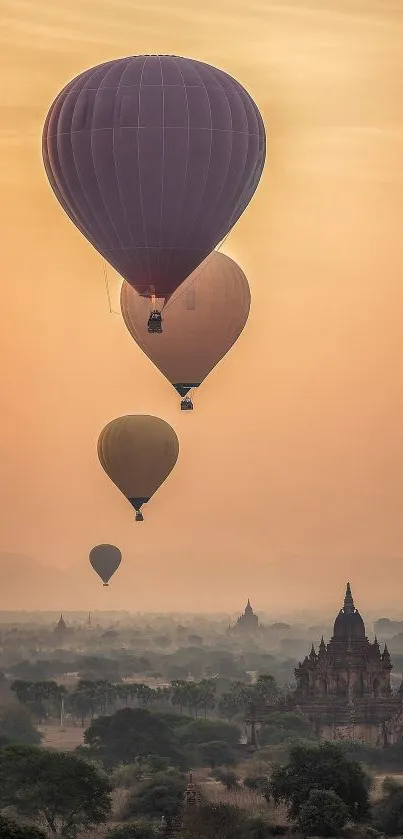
247	623
61	625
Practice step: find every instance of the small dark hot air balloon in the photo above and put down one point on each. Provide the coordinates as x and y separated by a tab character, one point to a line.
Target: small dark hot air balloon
138	453
203	319
154	158
105	560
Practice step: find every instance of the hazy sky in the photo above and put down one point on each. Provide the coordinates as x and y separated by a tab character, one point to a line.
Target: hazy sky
290	476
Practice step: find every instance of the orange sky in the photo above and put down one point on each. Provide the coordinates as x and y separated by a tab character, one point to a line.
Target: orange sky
290	476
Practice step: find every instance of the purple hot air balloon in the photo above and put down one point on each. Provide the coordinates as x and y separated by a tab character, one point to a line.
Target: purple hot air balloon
154	159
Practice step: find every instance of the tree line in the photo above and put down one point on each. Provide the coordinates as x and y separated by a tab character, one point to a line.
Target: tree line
46	699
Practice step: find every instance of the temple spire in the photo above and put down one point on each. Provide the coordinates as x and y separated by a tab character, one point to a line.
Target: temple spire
348	601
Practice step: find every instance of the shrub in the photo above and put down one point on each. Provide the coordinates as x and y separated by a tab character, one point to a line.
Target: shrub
259	783
323	814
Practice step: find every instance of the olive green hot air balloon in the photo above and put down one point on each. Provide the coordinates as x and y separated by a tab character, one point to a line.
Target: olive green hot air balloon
138	453
105	560
203	319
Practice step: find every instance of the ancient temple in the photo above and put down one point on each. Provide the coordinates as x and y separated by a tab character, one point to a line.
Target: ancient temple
60	627
348	667
344	688
173	828
247	623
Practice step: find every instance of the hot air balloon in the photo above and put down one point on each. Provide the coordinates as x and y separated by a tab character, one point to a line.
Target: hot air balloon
105	560
138	453
203	319
154	158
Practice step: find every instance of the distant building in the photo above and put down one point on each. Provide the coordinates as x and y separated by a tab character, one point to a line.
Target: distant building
344	689
174	827
60	627
248	623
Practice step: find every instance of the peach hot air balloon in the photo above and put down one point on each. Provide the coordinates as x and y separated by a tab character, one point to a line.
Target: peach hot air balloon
138	453
105	560
205	317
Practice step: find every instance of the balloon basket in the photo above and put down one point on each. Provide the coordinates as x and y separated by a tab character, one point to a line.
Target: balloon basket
154	324
105	584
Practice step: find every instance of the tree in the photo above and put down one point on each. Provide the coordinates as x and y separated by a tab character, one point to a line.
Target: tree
264	690
236	700
323	814
11	830
206	695
41	697
216	753
16	726
205	731
228	779
131	733
179	693
282	727
65	792
321	767
258	783
160	796
388	812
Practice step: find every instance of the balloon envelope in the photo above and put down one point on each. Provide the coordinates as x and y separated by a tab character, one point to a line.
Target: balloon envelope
202	321
105	560
138	453
154	159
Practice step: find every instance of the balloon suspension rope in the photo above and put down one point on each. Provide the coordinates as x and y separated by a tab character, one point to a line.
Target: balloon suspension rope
108	293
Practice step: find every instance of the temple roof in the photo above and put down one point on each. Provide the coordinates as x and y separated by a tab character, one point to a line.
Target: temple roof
349	623
248	608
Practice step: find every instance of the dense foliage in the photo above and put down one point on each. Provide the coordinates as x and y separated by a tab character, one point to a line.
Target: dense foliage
388	811
321	767
322	814
133	733
161	795
16	726
65	792
10	830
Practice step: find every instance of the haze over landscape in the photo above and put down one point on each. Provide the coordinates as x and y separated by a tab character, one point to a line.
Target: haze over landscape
290	475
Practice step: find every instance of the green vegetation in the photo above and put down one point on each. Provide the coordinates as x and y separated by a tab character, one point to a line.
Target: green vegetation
322	767
16	726
136	733
65	792
388	811
323	814
224	821
11	830
160	796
